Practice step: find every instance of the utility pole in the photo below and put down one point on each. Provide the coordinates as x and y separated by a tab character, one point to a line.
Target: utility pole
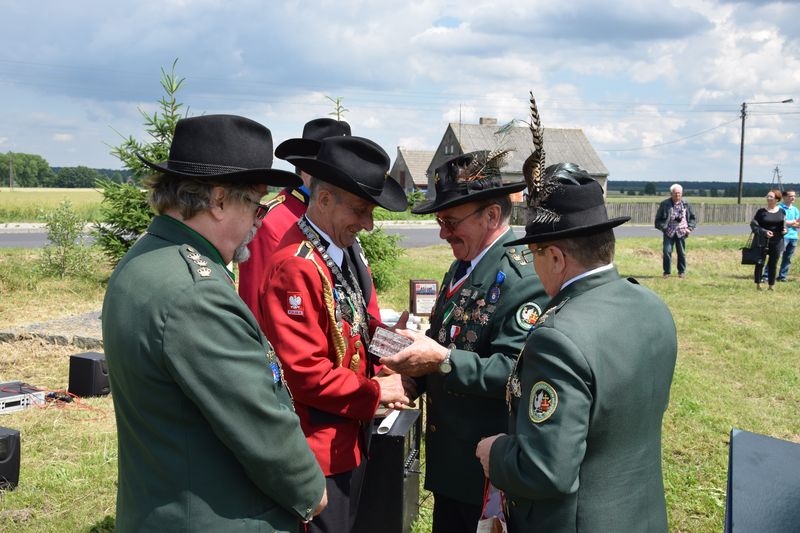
10	172
741	145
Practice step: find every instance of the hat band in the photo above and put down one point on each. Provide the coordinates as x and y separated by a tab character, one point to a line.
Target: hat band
201	169
464	187
585	217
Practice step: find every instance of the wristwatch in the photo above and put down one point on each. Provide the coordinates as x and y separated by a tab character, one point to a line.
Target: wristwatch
446	366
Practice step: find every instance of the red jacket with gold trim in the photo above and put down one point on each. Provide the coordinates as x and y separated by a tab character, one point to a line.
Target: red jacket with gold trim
332	400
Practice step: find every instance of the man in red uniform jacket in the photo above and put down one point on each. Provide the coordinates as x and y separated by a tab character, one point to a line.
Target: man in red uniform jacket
313	294
284	210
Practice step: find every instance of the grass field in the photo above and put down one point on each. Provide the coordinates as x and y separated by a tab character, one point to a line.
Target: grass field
737	367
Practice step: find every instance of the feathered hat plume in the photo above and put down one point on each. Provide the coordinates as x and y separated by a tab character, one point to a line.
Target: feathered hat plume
539	188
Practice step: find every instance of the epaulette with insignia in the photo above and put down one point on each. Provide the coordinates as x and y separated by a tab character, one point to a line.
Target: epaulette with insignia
300	196
275	202
305	250
549	314
197	263
516	254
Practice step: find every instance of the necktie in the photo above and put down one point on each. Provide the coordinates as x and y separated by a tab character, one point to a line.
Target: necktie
461	270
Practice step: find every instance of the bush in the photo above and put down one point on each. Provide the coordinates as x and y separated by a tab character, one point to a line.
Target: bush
65	255
126	214
382	251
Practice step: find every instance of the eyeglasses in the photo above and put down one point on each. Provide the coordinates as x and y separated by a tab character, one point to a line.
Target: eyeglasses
450	224
261	210
527	253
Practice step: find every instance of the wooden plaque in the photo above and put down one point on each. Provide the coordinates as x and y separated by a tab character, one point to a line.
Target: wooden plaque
422	296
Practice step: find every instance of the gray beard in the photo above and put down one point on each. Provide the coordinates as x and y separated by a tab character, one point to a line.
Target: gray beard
242	252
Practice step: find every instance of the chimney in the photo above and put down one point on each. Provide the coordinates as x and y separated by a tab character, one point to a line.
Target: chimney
487	121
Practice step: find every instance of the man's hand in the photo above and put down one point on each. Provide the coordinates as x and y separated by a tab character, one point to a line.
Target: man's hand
483	450
323	503
392	391
420	358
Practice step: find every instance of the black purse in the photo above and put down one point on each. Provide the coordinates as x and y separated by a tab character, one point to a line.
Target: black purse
752	254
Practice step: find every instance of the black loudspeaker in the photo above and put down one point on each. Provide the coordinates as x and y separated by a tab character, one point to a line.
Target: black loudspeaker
763	484
390	494
9	458
88	374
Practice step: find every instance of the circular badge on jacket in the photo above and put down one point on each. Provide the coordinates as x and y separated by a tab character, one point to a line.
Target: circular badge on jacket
542	403
527	315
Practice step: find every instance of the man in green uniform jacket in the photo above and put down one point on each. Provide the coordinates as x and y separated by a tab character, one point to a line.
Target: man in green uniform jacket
589	391
488	301
208	438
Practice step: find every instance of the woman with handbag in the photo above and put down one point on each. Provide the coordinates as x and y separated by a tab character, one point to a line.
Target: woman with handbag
768	227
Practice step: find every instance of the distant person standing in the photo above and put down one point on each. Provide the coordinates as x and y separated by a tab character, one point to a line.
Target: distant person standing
792	222
676	220
769	229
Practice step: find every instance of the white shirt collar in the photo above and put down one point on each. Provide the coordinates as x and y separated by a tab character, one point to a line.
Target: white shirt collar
475	261
336	253
586	274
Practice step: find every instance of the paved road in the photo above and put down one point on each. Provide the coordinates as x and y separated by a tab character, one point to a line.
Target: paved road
414	235
418	235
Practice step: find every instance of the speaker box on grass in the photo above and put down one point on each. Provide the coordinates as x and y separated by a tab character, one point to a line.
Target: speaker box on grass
9	458
763	484
88	374
390	494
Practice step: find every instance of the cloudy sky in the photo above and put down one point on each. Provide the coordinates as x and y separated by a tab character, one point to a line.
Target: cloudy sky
656	85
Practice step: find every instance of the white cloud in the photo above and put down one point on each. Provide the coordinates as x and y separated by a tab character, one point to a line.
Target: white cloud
63	137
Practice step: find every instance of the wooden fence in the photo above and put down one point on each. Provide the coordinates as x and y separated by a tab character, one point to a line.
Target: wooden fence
645	213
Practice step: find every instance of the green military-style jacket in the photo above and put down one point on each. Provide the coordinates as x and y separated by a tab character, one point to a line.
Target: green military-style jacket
485	321
208	438
588	395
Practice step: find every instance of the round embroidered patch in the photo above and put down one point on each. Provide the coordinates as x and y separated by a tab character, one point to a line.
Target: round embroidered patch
527	315
542	403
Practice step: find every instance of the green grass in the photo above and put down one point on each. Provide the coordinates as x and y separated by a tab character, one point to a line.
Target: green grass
737	367
26	204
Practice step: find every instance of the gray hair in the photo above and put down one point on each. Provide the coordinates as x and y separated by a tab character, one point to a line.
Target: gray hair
675	187
188	196
591	251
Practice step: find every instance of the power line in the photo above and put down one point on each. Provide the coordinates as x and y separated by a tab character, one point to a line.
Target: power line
668	142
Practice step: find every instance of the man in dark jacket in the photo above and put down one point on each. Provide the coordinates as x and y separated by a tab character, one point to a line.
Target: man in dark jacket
488	301
676	220
208	438
590	388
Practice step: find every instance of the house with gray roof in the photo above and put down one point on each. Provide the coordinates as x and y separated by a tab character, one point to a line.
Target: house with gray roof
560	146
410	167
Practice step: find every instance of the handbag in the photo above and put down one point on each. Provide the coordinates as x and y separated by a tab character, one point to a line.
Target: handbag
752	254
493	518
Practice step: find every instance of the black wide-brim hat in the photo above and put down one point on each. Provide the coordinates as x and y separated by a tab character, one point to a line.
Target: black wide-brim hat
358	166
453	188
573	207
313	133
223	149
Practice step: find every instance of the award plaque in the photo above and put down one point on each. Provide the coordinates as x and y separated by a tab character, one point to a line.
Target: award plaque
422	296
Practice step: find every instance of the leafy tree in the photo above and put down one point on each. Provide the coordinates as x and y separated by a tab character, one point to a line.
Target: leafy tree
650	189
415	197
125	211
75	177
30	170
159	126
382	251
125	214
65	256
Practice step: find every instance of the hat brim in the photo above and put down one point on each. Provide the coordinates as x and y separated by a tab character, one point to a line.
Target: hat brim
392	197
578	231
298	147
250	176
434	205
